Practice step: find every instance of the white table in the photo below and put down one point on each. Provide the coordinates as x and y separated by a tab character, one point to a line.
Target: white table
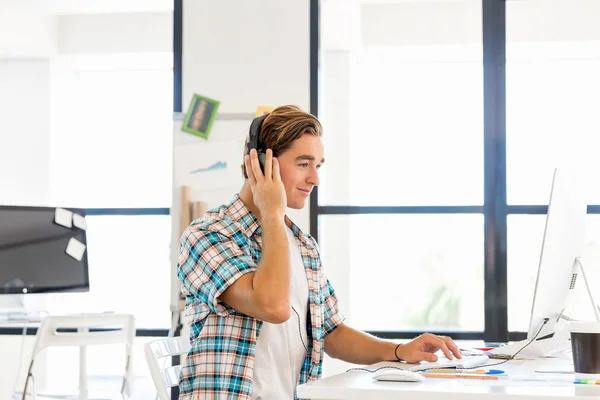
521	383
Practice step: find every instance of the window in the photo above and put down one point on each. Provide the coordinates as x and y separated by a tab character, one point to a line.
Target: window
408	270
399	207
395	93
129	269
428	174
111	153
552	55
553	92
111	134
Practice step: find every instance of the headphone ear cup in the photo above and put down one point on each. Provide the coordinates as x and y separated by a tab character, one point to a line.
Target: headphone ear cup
262	159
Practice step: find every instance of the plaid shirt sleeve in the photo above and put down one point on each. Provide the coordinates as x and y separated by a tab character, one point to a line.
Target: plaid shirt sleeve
209	262
333	316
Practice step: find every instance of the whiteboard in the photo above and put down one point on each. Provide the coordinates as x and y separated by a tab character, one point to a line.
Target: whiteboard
198	163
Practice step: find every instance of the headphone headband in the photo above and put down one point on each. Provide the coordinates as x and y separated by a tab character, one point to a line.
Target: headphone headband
253	142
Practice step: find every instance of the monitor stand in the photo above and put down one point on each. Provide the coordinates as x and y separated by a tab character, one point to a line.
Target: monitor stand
13	309
555	346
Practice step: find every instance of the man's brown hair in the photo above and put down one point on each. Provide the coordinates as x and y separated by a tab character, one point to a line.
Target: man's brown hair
281	127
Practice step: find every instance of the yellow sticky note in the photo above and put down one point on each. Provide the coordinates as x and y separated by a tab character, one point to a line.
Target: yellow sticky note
262	110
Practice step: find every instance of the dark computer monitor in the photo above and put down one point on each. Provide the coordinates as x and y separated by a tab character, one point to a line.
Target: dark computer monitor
33	256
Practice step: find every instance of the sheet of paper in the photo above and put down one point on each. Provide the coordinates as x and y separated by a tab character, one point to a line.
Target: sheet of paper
63	217
79	221
208	166
75	249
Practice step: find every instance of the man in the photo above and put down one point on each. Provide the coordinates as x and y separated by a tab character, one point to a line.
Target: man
262	311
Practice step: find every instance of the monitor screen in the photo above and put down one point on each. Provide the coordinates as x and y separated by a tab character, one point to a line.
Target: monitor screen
33	252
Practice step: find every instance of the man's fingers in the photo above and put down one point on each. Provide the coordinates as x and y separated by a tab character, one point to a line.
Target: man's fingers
269	164
452	346
249	170
276	174
441	344
429	357
258	175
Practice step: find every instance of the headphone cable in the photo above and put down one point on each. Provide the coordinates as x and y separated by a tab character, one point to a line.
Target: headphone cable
300	329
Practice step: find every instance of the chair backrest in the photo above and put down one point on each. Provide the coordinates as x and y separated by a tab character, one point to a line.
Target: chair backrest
167	377
85	330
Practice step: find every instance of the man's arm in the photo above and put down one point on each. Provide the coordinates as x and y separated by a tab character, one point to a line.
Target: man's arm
265	294
356	347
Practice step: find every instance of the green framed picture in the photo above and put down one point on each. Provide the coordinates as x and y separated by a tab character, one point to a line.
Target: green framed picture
200	116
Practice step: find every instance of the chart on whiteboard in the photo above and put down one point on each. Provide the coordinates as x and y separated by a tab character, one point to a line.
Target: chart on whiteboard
209	166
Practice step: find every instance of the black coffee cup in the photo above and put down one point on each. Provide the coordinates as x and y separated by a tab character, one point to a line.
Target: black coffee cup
585	342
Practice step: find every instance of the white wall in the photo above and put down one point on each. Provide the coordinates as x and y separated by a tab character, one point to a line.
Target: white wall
27	36
24	128
69	7
115	33
24	161
247	54
421	22
459	21
26	88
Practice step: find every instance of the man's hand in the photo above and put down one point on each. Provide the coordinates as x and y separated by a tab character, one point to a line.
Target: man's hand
423	348
267	189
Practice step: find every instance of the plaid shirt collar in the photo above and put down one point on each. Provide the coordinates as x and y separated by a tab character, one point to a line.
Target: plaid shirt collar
250	224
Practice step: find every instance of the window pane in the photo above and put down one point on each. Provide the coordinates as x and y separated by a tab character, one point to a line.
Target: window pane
553	94
129	270
112	132
403	111
406	272
525	236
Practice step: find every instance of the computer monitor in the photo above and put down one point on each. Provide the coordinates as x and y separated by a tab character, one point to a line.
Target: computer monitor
562	246
33	252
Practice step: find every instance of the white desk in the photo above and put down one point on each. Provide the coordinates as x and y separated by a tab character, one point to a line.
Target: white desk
522	383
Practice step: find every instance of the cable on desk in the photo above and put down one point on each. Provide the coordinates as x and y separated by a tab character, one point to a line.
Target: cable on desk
20	358
512	357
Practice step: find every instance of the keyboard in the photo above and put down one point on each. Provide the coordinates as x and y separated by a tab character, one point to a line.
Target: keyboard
463	363
18	316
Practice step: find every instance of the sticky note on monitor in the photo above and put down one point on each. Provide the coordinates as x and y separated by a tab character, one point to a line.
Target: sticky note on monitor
79	221
75	249
63	217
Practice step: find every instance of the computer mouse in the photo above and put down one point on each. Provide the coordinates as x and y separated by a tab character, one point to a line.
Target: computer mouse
397	375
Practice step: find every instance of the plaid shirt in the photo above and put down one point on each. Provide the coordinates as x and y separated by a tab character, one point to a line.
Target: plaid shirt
214	252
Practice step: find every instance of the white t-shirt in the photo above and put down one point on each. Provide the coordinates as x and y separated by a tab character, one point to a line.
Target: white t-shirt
279	350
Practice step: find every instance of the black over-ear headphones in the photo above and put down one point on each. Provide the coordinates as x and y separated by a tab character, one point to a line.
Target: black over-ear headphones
254	143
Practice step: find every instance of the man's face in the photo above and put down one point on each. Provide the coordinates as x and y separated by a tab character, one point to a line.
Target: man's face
299	167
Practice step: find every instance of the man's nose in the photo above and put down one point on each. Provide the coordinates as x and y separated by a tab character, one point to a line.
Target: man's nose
313	178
